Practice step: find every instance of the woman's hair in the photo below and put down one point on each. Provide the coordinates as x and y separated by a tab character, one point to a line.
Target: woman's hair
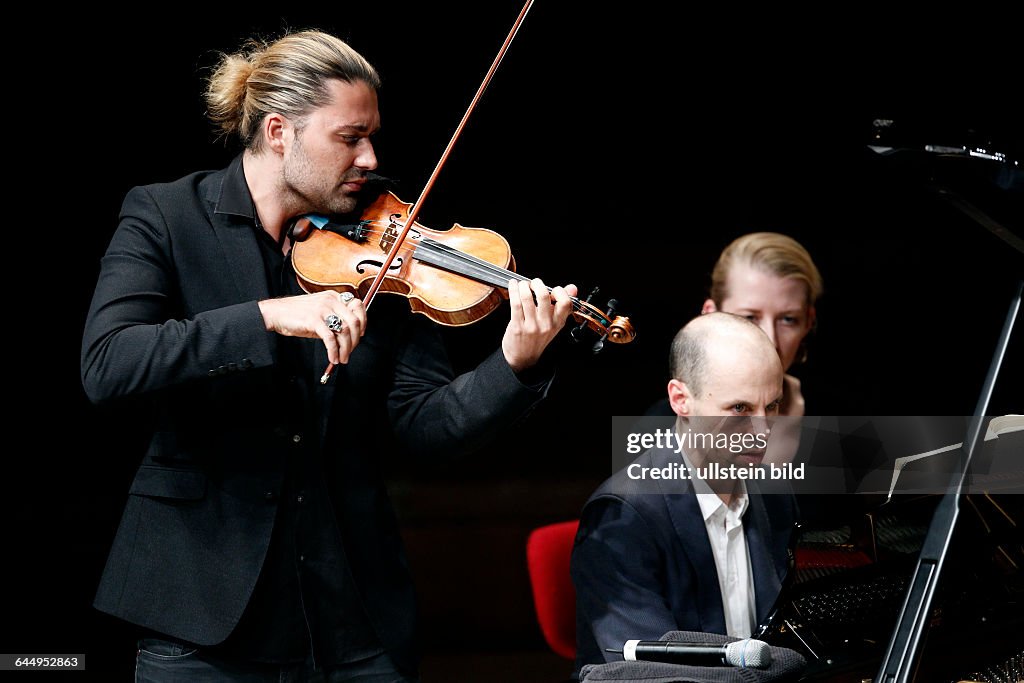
769	252
288	76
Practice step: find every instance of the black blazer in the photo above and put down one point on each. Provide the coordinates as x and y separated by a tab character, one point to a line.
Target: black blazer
642	563
174	322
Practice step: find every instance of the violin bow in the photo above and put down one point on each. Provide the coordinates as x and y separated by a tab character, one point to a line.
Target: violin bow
414	212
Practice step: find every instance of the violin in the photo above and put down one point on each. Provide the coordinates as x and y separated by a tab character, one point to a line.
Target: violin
455	277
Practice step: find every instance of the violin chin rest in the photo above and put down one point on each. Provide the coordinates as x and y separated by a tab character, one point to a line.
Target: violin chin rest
300	229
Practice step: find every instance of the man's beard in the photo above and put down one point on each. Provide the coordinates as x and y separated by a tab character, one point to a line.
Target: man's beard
315	193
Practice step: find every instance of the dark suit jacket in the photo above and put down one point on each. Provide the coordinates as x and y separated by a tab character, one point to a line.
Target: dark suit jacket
174	321
642	563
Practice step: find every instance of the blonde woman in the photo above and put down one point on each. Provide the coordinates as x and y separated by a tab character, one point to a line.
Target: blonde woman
770	279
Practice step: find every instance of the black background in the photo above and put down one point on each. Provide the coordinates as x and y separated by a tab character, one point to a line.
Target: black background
622	149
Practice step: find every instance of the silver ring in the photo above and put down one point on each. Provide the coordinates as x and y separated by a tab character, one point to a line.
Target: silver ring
334	323
346	297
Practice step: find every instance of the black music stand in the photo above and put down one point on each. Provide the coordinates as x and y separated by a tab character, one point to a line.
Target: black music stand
900	657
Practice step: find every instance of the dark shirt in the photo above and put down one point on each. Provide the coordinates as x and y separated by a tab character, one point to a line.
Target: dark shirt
305	596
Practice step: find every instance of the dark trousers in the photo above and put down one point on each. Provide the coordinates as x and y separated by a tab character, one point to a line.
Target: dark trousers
162	661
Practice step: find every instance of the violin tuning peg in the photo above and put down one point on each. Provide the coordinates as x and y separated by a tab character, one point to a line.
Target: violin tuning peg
578	333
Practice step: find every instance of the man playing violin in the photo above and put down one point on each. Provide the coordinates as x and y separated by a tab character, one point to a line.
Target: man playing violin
257	542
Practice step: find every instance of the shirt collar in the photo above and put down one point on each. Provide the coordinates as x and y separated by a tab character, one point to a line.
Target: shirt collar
235	198
710	503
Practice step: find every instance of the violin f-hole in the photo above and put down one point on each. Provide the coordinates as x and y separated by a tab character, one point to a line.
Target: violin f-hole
361	266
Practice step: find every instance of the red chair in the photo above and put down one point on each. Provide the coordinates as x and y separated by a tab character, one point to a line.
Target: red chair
548	550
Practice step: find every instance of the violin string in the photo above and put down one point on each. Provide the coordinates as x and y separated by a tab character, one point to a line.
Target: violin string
484	271
486	267
463	256
440	246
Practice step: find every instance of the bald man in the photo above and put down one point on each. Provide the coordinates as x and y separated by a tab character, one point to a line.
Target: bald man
708	554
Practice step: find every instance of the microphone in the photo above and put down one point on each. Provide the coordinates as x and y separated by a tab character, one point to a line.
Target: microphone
746	653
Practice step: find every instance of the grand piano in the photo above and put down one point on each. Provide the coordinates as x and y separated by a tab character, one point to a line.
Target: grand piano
923	583
851	582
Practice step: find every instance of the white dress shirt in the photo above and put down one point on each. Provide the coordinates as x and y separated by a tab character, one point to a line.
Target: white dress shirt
724	524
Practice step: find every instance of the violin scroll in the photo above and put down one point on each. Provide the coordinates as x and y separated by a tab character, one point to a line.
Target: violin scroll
614	328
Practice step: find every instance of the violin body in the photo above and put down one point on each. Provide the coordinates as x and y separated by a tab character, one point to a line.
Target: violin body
454	277
435	270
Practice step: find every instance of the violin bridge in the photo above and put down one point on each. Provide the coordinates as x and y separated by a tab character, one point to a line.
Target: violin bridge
390	235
